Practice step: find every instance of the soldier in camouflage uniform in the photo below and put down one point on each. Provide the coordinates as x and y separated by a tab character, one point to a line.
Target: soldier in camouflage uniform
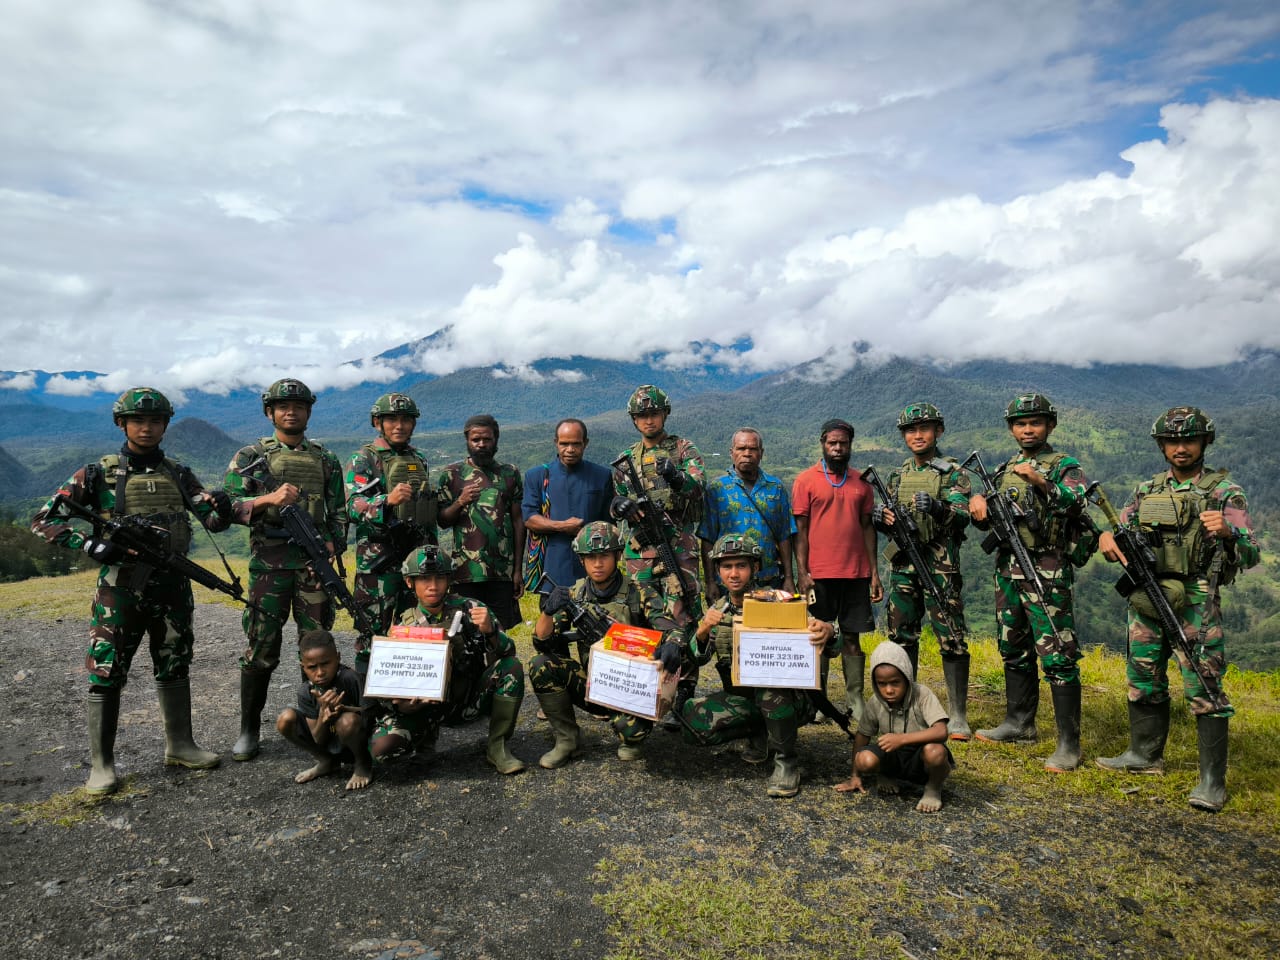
1197	522
139	481
485	675
674	477
389	495
769	718
558	672
480	500
937	492
282	469
1049	487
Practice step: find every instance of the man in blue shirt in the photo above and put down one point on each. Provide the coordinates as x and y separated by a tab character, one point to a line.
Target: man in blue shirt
576	492
748	501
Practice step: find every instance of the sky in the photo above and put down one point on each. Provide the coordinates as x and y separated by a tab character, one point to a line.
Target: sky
208	195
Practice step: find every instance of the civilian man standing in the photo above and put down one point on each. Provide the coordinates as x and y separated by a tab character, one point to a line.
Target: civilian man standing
835	551
746	501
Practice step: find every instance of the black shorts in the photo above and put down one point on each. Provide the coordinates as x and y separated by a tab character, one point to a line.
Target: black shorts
906	763
847	603
498	595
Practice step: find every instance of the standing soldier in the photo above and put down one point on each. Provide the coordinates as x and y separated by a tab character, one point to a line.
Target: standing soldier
393	505
937	492
673	477
1048	488
480	500
282	469
1197	522
131	600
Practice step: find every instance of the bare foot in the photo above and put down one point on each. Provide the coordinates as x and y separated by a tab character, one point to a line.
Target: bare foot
322	769
931	802
887	786
360	779
846	786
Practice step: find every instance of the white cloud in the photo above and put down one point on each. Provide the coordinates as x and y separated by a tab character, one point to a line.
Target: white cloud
19	381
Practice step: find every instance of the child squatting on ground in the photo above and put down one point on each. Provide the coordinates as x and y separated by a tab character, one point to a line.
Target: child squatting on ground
902	734
328	716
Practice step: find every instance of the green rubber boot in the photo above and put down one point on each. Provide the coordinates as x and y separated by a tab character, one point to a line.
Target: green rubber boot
756	749
104	717
630	751
253	698
558	706
180	750
502	724
1066	715
955	673
1022	700
1148	733
785	779
1211	792
855	668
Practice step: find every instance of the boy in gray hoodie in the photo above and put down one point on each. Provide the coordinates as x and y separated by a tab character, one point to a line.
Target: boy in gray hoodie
903	732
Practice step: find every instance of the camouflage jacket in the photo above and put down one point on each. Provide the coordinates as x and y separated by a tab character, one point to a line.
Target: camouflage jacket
270	548
954	490
367	498
484	538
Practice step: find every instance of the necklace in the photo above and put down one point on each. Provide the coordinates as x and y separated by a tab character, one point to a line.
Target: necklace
826	474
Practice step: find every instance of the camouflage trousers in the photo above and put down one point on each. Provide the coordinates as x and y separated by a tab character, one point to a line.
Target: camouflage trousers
383	597
1024	629
908	602
467	698
277	592
687	550
732	715
553	674
120	618
1149	652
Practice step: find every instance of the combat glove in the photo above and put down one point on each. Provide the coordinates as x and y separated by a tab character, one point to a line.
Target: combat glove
624	508
925	503
555	601
877	518
221	504
668	653
103	551
669	472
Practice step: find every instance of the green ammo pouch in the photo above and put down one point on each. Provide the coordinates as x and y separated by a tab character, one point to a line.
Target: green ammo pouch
1174	591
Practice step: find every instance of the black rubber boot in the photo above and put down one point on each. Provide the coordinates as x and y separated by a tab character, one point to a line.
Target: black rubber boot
104	717
1211	792
180	749
955	673
502	723
253	698
1066	715
756	749
1148	733
785	779
558	706
684	690
913	654
1022	698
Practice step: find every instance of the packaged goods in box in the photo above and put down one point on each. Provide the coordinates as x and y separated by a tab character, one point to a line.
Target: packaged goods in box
786	615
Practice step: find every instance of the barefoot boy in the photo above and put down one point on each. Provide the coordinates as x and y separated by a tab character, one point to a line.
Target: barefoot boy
903	732
328	715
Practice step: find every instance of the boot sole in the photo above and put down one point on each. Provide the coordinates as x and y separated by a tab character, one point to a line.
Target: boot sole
192	764
1141	771
978	736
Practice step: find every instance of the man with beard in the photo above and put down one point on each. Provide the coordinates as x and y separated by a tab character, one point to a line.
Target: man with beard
835	554
480	501
748	502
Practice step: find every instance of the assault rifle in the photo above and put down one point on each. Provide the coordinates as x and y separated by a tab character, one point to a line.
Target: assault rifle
148	546
401	539
1140	572
649	529
905	533
302	531
1004	514
590	624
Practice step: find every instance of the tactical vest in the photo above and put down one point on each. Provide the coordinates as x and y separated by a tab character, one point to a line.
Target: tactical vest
155	496
722	632
682	508
1170	521
407	467
1050	527
305	469
910	482
625	606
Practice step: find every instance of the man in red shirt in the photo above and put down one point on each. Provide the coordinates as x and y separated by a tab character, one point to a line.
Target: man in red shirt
835	551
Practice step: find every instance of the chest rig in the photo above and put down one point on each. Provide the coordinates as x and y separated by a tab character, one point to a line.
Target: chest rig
154	494
1042	530
305	469
1169	519
405	466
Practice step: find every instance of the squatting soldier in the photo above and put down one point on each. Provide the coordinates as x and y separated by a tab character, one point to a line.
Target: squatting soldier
937	492
1197	522
277	471
673	475
1049	489
768	718
393	505
558	672
139	481
485	675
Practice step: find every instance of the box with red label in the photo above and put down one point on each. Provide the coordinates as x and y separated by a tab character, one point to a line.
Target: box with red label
629	684
410	662
637	641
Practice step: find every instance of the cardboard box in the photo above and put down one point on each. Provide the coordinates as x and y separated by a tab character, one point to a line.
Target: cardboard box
781	659
410	662
787	615
628	684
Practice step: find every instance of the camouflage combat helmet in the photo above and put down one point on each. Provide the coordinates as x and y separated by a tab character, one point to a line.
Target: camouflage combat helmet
915	413
646	399
426	560
1178	422
392	403
597	537
286	389
1031	405
141	402
736	545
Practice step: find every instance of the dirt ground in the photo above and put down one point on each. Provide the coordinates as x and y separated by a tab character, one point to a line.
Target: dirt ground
451	860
